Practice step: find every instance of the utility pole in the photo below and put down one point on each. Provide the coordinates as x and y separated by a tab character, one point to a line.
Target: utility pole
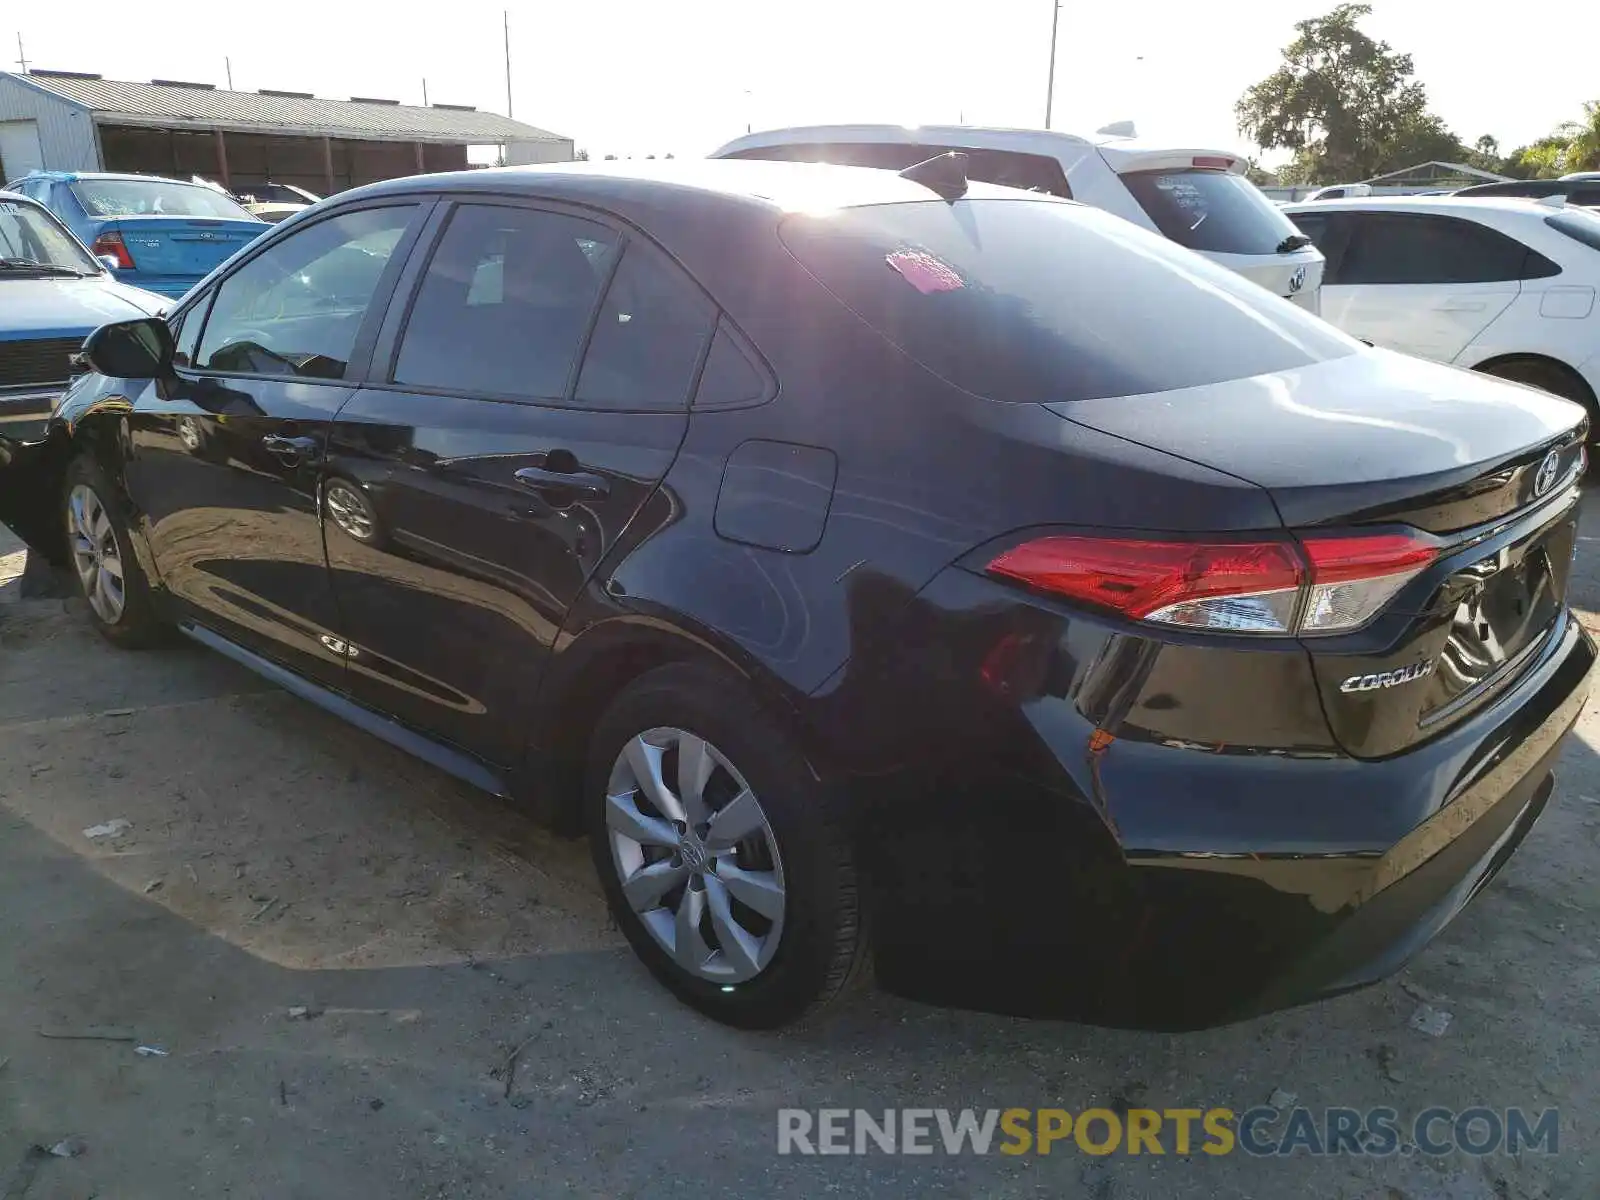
424	93
1050	87
22	57
507	14
227	64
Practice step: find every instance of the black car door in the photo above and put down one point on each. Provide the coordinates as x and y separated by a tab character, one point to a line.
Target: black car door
536	373
225	460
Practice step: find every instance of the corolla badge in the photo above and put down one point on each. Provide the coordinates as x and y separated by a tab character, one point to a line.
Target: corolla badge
1298	279
1548	469
1387	679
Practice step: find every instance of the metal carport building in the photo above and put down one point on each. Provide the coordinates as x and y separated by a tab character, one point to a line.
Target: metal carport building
67	121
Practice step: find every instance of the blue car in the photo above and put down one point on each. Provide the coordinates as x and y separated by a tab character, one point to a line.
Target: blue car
53	294
162	235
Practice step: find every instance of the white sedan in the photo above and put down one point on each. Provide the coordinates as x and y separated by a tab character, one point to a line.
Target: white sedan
1504	286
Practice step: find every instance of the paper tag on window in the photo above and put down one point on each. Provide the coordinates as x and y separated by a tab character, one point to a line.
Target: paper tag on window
925	272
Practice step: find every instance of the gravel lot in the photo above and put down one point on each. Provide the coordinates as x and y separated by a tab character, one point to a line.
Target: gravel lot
274	860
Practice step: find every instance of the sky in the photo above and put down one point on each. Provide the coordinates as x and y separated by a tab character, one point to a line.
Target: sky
637	77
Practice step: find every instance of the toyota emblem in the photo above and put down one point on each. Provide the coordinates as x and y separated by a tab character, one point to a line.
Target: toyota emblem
1298	279
1546	478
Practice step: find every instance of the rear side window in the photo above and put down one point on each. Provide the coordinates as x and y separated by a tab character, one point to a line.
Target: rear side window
1210	210
1007	168
1033	300
505	303
1580	226
649	340
1411	248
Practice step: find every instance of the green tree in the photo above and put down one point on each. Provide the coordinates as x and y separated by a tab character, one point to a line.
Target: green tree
1583	140
1541	160
1345	104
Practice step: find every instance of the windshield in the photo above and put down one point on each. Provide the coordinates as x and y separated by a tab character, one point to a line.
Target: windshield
1210	210
154	198
29	234
1039	300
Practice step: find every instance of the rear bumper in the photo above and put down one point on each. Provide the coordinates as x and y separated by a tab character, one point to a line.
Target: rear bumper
1042	870
174	287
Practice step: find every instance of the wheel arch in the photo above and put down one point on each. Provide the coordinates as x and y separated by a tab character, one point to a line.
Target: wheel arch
1585	393
590	670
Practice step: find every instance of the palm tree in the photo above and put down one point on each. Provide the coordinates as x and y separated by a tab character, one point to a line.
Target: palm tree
1583	140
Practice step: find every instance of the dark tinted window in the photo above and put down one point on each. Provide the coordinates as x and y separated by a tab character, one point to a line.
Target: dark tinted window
505	302
1314	226
1581	226
1008	168
186	330
1033	300
296	308
1210	210
648	341
1400	248
729	378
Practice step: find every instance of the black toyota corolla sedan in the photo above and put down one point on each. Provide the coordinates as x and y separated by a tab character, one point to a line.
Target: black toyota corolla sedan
878	567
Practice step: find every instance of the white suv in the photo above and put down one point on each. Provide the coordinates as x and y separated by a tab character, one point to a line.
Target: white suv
1505	286
1197	198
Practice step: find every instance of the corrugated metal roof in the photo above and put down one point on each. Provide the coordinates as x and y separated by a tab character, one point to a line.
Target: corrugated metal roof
205	108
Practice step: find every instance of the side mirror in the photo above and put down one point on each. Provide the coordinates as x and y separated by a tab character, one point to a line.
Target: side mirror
109	262
141	349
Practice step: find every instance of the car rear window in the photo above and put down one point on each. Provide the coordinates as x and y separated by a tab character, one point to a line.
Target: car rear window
1040	300
154	198
1581	226
1210	210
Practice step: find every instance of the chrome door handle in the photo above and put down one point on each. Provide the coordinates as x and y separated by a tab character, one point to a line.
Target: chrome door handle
292	450
564	485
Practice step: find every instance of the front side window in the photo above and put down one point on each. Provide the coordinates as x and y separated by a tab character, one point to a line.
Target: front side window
1412	248
296	308
155	198
505	303
1206	209
31	236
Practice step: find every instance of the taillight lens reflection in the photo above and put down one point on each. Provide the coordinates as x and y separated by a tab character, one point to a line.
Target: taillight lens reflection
1321	585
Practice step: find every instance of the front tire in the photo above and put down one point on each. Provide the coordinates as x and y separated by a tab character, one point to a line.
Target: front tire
722	856
110	579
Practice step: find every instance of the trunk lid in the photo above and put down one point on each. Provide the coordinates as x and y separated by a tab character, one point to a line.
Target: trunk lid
181	245
1376	440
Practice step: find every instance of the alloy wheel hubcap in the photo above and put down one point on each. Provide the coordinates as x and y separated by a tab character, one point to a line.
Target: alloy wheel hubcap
95	554
696	856
349	511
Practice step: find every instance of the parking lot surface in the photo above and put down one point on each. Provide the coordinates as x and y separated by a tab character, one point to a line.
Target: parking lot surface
370	981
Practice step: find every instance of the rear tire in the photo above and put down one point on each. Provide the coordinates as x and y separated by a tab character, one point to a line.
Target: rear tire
100	553
753	932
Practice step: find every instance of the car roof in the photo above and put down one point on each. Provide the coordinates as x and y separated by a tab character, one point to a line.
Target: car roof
19	198
982	136
777	186
1519	206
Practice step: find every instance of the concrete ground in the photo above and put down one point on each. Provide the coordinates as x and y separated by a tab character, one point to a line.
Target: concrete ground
339	949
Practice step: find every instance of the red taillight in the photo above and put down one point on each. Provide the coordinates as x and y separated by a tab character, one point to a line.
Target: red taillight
111	244
1213	163
1352	578
1329	585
